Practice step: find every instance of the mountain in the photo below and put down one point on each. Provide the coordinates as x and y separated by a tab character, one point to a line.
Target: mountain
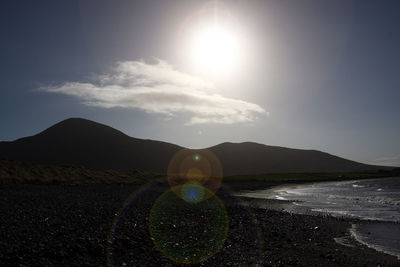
92	145
253	158
96	146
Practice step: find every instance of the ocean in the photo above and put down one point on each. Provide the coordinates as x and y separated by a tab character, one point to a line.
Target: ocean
375	201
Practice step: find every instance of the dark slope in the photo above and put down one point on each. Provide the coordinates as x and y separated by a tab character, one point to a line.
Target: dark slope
253	158
97	146
90	144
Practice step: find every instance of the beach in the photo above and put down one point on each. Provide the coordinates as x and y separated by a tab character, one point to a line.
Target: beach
374	201
116	225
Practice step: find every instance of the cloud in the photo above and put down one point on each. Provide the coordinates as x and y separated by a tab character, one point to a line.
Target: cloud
159	88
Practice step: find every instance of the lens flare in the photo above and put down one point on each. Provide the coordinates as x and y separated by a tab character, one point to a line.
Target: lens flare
184	231
188	223
192	166
188	230
192	192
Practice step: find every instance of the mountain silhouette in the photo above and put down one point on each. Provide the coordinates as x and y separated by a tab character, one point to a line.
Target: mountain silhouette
243	158
96	146
93	145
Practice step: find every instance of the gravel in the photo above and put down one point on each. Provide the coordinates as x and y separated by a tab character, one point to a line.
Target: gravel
121	225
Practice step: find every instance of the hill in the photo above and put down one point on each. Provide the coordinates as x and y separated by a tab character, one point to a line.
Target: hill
253	158
96	146
92	145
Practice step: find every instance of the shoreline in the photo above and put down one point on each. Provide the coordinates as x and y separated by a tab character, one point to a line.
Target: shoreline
83	224
352	237
356	233
366	238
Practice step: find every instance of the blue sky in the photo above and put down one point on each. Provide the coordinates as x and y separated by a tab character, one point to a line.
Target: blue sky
319	75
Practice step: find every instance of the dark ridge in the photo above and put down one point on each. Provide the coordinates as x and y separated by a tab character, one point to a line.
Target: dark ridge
253	158
93	145
97	146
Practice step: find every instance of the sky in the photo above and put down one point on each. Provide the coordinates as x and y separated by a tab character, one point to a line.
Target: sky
321	75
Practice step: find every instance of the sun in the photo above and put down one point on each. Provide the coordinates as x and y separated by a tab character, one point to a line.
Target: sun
215	48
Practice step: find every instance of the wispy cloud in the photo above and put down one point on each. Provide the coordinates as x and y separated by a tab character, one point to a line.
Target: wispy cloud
159	88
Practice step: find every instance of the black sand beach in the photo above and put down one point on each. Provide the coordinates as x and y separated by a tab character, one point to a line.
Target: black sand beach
69	225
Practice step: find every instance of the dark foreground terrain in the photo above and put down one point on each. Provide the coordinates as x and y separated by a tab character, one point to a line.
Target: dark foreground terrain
61	225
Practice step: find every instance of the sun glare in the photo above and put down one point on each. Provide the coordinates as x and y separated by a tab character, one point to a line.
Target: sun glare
215	49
